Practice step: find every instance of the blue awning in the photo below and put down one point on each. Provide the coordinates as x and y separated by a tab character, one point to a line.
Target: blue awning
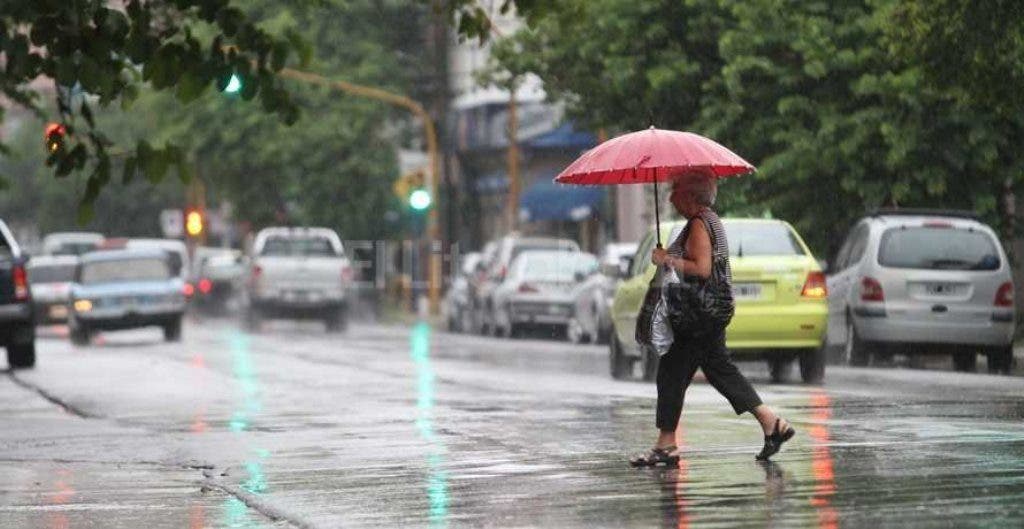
565	136
546	200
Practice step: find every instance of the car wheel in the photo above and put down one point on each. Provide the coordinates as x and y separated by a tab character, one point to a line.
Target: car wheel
812	365
337	321
21	356
253	319
1001	360
965	361
172	331
857	353
79	335
778	368
621	366
574	332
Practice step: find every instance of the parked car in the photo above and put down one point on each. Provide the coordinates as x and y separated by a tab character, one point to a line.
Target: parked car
919	282
71	242
299	273
538	290
51	277
17	328
780	293
125	289
591	321
217	278
456	300
496	269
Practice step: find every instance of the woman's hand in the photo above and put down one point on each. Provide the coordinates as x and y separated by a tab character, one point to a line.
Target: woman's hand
659	256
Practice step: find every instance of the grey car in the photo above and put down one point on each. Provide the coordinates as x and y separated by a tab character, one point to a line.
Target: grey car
539	290
919	282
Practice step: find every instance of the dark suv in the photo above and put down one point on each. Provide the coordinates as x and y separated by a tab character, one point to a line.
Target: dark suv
17	328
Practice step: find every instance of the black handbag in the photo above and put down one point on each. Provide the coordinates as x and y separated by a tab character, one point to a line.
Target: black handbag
698	306
644	333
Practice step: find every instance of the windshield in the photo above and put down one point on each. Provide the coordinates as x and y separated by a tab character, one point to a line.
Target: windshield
74	248
298	246
51	274
560	267
749	239
935	248
149	269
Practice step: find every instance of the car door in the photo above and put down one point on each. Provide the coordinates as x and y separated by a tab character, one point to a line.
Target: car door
842	281
629	295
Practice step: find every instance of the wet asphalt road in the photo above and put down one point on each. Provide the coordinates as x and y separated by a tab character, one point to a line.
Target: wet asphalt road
405	426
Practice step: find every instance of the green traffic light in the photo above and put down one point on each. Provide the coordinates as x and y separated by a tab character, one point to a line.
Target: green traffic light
419	199
234	85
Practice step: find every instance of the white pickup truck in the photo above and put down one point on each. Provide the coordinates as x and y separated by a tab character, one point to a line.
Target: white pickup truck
298	273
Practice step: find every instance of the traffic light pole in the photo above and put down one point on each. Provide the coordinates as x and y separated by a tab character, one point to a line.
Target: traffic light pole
433	226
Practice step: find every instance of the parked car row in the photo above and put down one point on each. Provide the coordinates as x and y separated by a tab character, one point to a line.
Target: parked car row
910	282
517	283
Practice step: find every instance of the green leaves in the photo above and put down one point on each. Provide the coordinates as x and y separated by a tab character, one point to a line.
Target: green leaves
87	47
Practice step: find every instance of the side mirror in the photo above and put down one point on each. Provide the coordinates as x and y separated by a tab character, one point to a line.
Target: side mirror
625	266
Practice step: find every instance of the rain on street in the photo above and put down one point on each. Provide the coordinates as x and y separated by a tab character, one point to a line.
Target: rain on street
391	425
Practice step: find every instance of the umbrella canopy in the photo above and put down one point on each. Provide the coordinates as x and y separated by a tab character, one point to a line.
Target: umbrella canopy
652	155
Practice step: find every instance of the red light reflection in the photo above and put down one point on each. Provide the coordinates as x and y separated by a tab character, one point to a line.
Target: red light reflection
821	461
64	493
682	504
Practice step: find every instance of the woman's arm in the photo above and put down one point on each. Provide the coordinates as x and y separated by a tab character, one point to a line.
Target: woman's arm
698	251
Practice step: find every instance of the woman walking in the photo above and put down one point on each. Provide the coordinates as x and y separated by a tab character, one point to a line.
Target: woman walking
691	256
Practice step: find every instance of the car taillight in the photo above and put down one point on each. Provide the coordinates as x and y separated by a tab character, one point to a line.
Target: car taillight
527	288
20	283
205	286
871	290
187	289
1004	296
256	272
346	274
502	272
815	286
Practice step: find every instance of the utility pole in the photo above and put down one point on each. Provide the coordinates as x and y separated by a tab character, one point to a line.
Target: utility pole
512	206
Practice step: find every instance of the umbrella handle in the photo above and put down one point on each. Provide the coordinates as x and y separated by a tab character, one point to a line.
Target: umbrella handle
657	215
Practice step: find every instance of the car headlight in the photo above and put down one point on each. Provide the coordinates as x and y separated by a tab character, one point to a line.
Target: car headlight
83	305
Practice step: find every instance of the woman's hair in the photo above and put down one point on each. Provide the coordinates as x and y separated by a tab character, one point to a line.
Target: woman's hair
703	187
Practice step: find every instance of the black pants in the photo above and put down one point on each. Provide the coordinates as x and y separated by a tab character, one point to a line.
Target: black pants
677	367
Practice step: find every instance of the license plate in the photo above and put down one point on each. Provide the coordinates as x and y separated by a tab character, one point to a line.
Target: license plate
58	311
746	291
940	289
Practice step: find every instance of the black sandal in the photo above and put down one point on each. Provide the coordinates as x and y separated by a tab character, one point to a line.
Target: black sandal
657	457
773	442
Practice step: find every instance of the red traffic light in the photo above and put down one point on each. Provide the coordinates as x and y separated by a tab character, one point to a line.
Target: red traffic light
54	136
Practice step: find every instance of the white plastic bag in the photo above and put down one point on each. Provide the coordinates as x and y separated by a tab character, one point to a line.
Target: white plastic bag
661	330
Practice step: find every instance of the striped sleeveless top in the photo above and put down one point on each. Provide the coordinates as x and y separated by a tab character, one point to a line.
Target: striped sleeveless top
720	244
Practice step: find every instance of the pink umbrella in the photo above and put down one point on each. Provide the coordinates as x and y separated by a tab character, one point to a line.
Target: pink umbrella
651	156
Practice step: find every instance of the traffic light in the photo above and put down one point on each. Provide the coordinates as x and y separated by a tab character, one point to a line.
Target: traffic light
194	223
234	85
54	137
420	199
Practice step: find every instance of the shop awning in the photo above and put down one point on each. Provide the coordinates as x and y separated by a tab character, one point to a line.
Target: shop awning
546	200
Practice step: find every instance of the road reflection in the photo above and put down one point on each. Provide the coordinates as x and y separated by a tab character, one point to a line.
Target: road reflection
437	479
235	512
821	461
62	495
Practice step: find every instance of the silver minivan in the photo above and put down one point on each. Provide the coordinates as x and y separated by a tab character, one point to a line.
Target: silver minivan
920	282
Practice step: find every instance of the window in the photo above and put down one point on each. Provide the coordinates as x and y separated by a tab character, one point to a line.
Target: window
124	270
860	245
52	273
748	239
938	248
298	246
642	257
857	234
